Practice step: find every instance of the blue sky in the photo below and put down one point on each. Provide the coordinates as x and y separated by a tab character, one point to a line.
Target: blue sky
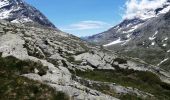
81	17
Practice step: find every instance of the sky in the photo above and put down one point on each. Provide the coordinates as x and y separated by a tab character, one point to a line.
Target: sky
81	17
89	17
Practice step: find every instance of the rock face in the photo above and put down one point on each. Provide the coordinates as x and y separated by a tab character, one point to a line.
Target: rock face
18	11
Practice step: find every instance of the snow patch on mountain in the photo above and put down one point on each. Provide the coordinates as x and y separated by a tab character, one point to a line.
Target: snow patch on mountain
126	42
162	61
153	37
134	28
5	14
114	42
168	51
4	3
164	45
166	39
22	20
153	43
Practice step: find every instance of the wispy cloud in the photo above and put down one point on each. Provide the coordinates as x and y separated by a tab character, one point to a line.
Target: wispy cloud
140	8
86	25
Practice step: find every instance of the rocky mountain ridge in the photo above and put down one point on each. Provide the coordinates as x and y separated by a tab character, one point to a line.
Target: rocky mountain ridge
18	11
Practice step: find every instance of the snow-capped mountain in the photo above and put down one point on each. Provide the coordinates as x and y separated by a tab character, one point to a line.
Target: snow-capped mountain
119	33
18	11
123	30
145	37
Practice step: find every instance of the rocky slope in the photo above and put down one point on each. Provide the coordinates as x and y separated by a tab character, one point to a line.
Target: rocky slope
18	11
57	59
49	48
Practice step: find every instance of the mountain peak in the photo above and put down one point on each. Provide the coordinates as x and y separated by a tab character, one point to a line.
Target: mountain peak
145	9
18	11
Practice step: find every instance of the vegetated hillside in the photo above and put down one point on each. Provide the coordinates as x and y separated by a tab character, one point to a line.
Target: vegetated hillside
13	86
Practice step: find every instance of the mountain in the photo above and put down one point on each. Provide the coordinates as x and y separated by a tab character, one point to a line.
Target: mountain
18	11
116	33
40	62
123	30
144	38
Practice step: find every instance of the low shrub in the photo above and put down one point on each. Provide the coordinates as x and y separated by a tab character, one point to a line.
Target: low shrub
16	87
142	80
120	61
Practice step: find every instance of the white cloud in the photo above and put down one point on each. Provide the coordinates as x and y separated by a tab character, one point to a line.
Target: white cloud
86	25
142	8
